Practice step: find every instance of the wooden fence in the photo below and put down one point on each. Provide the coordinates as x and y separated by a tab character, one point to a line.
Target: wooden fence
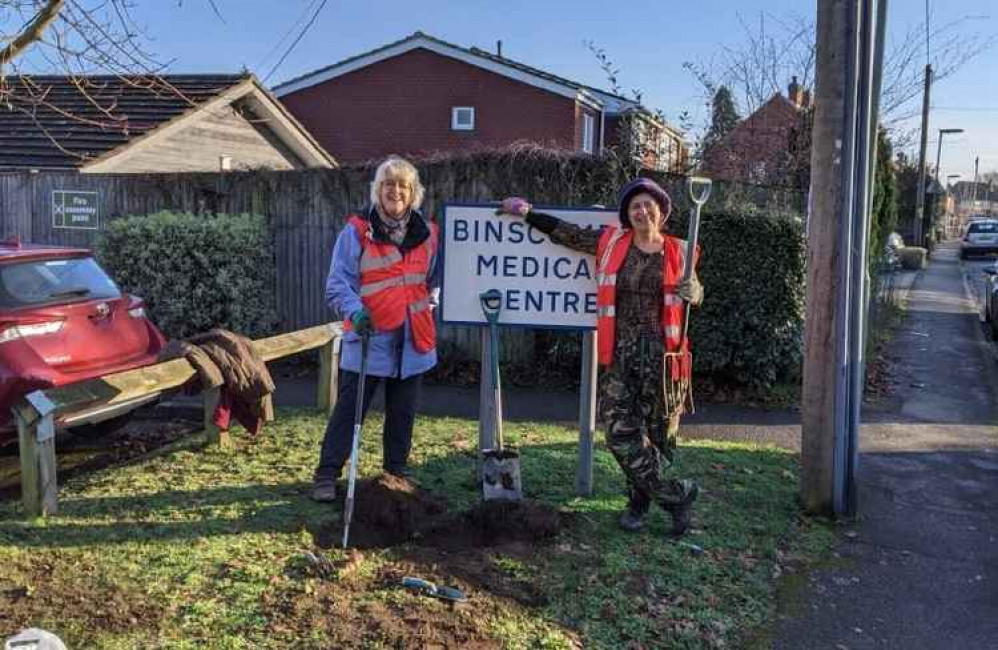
306	210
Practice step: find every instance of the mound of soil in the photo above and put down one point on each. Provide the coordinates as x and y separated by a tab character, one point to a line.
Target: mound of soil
390	511
492	523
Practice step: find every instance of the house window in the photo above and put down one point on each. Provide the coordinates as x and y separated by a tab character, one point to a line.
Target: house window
588	132
462	118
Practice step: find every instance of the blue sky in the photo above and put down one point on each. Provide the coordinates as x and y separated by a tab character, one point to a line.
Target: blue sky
647	40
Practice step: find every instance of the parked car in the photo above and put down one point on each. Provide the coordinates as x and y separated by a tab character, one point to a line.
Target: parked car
981	238
63	320
990	298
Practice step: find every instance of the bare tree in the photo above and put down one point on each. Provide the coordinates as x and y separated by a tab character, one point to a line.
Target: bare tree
76	39
775	49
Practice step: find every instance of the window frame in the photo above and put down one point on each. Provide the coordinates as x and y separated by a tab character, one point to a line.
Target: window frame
588	133
455	124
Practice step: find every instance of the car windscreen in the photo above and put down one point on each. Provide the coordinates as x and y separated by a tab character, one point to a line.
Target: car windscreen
52	281
990	227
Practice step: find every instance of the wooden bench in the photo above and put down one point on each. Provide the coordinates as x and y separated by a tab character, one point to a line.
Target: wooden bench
42	412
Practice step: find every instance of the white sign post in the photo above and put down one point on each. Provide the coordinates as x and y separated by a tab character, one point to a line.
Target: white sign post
544	285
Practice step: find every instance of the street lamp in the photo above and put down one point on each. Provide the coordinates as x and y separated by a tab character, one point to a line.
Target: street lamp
939	147
939	151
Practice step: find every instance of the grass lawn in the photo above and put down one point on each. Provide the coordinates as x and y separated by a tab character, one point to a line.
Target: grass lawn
193	547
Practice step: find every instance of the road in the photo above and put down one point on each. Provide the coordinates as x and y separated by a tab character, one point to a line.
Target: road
919	568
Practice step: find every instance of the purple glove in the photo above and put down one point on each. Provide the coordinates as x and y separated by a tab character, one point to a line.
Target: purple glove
514	205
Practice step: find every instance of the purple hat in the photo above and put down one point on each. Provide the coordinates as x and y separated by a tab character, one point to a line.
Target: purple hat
637	186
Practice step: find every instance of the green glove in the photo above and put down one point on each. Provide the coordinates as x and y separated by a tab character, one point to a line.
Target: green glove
361	321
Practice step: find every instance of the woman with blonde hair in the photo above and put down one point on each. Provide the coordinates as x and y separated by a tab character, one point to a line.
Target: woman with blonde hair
382	281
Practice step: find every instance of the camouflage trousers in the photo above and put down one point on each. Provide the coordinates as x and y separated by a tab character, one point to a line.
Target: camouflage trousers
639	433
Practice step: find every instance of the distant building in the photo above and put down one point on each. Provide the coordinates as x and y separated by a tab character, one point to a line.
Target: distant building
974	201
759	149
422	95
140	124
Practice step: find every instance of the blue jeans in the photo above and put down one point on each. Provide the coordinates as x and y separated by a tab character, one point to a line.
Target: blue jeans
400	415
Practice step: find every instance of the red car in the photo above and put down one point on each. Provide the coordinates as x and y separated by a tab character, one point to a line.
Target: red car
63	320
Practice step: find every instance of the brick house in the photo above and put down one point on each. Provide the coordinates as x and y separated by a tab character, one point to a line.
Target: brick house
422	95
760	148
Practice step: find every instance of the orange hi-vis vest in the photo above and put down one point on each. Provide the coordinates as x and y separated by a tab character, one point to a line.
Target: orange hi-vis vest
611	251
393	285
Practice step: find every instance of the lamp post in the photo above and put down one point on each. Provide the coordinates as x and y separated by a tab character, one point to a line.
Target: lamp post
939	151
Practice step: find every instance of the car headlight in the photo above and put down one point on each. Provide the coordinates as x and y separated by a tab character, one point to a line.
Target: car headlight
137	312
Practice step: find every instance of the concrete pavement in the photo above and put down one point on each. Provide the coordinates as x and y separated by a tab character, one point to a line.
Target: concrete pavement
919	569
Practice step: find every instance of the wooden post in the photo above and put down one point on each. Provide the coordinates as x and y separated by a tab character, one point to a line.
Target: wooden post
31	493
328	371
587	415
39	489
215	435
821	409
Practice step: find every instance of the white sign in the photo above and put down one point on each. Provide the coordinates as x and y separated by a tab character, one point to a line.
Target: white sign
75	209
543	284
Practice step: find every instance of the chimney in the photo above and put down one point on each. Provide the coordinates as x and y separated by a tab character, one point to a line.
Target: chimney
499	48
795	93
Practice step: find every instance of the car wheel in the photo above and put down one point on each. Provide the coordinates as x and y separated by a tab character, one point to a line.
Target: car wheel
105	428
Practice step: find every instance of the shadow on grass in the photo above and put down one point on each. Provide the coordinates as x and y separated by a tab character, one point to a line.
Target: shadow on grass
744	490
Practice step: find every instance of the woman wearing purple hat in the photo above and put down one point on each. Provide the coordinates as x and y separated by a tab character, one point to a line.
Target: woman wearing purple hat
645	385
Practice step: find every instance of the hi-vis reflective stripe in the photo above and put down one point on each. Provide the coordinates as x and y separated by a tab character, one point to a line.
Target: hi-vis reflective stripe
375	287
604	279
419	305
672	331
609	311
671	300
373	262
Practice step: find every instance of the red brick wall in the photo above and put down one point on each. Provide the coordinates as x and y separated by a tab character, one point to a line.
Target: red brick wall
403	105
755	150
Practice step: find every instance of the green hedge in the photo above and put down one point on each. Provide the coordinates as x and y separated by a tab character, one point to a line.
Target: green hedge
195	272
749	329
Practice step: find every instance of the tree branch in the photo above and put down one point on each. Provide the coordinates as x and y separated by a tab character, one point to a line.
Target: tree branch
33	31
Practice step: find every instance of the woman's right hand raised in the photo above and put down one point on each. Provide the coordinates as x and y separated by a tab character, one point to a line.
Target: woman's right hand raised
515	206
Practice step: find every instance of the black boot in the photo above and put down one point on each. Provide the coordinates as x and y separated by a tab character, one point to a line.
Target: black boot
633	519
682	512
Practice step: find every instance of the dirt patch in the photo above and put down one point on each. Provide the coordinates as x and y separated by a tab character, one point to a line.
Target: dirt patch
362	614
391	511
61	593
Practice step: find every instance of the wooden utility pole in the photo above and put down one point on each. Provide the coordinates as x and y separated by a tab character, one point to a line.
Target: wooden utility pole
822	368
922	171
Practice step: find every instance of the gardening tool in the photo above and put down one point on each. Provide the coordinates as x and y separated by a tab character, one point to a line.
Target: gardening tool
695	549
500	466
450	594
677	388
699	189
358	417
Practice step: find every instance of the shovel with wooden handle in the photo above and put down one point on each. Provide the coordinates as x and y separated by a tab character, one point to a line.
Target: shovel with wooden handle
358	418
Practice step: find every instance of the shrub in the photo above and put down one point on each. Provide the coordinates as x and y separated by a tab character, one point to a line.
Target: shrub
195	272
749	329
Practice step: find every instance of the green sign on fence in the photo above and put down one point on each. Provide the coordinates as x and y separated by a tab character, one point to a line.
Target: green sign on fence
75	209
